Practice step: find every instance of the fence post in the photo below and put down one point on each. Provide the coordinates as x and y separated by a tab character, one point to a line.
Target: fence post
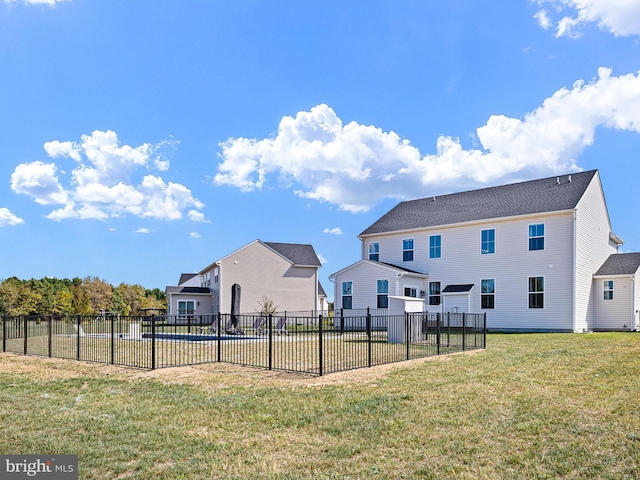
218	319
112	341
153	342
49	334
188	323
407	331
368	337
25	334
270	359
4	333
320	371
341	320
464	331
484	332
78	327
448	329
438	332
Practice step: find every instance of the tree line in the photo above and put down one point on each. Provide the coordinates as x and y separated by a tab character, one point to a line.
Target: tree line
86	296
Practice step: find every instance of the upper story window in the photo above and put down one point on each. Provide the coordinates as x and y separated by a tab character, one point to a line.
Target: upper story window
536	292
434	293
383	294
347	295
407	250
488	293
536	236
608	289
488	241
435	245
374	252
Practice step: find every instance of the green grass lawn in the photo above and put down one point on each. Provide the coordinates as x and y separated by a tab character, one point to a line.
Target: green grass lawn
530	407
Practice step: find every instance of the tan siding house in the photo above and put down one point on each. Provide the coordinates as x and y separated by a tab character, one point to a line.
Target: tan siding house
285	273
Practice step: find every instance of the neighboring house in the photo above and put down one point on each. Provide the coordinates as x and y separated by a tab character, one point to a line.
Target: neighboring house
188	299
535	256
285	273
617	292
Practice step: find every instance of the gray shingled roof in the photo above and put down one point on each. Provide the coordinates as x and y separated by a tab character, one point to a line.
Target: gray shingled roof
186	290
400	268
298	254
321	291
535	196
184	277
620	264
458	288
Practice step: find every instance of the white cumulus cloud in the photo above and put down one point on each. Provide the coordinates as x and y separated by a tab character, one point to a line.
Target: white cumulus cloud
8	219
50	3
333	231
144	230
356	166
619	17
194	235
102	184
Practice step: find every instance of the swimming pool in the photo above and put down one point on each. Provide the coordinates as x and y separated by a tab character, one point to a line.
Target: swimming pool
200	337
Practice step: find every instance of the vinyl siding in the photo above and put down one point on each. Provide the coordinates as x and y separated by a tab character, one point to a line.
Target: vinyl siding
511	265
613	314
593	247
262	272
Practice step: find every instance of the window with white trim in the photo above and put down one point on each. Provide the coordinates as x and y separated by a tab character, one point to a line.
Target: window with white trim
435	246
488	242
536	236
407	250
608	289
487	293
347	295
186	308
410	292
434	293
536	292
382	290
374	251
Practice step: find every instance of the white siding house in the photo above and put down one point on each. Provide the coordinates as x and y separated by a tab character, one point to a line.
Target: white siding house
616	298
525	254
285	273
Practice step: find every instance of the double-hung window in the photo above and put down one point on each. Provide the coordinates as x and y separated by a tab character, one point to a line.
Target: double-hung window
383	293
608	289
347	295
536	236
407	250
374	251
435	246
434	293
488	293
488	242
536	292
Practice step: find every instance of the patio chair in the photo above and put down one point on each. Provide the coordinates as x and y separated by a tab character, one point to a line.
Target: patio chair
228	328
257	326
281	326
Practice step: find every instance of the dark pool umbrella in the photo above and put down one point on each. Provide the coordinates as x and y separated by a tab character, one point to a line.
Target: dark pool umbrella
235	304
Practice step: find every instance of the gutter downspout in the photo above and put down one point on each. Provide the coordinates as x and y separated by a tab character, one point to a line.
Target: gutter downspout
398	277
634	325
335	294
574	306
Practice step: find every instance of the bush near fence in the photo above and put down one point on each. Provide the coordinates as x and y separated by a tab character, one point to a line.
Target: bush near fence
308	342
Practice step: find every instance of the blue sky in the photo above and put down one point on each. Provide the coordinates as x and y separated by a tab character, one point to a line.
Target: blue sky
140	140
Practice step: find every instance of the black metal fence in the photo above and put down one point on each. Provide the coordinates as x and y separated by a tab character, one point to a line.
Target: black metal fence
303	342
